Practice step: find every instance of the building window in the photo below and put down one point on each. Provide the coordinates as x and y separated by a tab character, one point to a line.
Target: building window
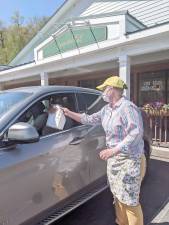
152	87
133	97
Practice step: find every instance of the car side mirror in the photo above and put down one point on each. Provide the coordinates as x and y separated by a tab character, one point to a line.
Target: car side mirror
23	133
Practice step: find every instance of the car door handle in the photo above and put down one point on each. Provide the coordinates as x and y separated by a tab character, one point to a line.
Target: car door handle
76	141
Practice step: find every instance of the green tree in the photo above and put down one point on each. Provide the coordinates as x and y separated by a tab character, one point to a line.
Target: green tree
35	24
14	37
17	19
3	52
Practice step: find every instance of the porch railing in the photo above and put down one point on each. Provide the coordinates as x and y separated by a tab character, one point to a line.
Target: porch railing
159	125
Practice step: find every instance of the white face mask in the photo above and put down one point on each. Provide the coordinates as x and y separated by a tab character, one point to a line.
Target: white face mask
105	97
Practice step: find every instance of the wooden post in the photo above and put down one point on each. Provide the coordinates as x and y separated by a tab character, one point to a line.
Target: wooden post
160	131
165	129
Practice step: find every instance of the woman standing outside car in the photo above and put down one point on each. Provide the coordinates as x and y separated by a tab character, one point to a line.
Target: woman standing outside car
122	122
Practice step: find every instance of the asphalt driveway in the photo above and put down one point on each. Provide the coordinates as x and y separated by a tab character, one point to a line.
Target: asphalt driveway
154	197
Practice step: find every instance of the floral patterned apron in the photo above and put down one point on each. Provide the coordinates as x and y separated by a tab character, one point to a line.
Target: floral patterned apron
124	177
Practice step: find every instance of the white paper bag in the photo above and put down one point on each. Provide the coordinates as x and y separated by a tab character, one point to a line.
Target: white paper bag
56	119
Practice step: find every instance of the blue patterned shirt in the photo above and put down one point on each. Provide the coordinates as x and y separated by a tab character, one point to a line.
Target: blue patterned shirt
123	127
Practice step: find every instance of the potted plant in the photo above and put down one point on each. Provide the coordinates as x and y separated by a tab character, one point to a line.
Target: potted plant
165	110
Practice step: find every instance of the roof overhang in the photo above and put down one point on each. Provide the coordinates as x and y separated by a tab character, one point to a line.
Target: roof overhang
143	42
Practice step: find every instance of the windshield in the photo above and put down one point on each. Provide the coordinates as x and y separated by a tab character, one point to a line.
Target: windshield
9	100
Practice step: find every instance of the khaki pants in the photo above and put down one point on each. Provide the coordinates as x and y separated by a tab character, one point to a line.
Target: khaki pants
130	215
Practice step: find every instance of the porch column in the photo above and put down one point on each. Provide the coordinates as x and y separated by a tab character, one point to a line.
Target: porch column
44	79
124	72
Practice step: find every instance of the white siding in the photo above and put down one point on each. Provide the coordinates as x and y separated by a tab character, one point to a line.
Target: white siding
149	12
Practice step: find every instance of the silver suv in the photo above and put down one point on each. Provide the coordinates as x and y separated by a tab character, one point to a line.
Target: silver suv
45	173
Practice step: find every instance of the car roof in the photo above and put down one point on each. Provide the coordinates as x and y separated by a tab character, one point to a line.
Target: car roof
51	88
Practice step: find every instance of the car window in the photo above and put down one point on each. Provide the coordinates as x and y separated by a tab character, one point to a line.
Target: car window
38	114
89	103
11	99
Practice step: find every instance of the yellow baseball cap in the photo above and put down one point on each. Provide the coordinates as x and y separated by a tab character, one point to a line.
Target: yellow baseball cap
113	81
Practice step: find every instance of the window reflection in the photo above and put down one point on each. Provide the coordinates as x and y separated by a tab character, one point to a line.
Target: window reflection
152	88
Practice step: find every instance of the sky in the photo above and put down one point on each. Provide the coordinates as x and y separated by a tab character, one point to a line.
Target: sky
27	8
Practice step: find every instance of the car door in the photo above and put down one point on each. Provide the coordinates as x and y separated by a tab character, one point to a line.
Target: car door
91	103
37	176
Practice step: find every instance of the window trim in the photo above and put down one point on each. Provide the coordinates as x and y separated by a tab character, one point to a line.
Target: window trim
59	132
32	103
83	92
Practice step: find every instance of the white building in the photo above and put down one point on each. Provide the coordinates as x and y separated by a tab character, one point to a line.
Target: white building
86	41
